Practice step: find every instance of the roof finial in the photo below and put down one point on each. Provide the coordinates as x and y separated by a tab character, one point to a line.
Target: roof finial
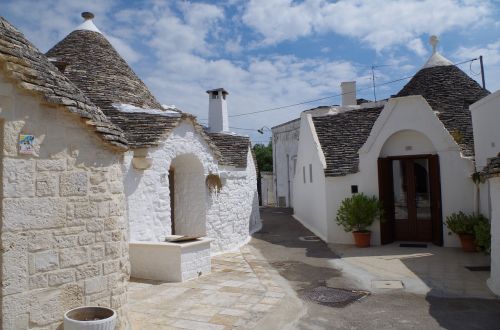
434	40
87	15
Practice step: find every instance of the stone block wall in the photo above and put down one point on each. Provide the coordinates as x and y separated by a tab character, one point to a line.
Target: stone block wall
64	232
230	215
233	213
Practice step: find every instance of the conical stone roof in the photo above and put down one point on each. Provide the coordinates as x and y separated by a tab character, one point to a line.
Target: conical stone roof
102	74
450	92
31	70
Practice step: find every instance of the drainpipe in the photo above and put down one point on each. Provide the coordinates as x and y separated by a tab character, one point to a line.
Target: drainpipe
288	177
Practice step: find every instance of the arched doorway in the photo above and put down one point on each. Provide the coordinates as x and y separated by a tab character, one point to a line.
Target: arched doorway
187	196
409	188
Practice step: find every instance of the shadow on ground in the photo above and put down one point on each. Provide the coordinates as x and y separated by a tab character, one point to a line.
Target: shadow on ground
280	228
305	265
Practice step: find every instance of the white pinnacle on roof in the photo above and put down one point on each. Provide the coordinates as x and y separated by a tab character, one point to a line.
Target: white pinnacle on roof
436	59
88	24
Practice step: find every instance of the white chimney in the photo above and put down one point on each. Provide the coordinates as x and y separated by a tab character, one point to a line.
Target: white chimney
348	89
217	111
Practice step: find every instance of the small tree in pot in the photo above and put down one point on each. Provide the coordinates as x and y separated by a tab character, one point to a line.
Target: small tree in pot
356	214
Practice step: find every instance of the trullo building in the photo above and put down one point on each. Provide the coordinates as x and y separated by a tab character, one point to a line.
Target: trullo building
169	173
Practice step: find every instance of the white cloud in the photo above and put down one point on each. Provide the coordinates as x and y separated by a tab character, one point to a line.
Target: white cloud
491	58
417	46
380	24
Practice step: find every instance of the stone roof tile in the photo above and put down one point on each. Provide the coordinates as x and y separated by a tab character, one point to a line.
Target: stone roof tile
342	135
32	71
450	92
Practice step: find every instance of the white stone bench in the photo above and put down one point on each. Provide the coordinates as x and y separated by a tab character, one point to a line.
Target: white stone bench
170	262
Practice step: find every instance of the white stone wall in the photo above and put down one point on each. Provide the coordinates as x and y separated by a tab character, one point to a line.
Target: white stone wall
309	204
195	262
267	189
494	280
233	213
406	121
64	230
229	215
285	145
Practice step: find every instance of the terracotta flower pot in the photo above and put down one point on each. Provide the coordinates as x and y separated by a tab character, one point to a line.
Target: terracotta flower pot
467	241
362	238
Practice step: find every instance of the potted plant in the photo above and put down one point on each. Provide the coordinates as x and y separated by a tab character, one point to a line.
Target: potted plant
482	234
356	214
90	318
463	225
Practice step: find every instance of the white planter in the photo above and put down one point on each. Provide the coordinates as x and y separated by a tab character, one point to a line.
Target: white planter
90	318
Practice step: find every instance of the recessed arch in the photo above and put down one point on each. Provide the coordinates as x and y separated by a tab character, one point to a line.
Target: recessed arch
407	142
187	196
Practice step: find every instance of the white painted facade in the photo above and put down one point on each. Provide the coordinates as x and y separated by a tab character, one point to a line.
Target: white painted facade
406	126
227	217
285	143
64	222
494	280
267	189
309	195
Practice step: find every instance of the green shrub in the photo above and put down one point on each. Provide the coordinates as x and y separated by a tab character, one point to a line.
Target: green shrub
357	213
461	223
482	234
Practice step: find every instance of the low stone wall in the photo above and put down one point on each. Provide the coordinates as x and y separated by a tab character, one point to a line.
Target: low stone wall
64	232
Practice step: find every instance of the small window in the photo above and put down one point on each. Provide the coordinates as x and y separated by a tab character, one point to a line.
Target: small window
354	189
304	173
310	172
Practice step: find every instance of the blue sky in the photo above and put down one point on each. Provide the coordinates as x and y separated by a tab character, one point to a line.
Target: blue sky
270	53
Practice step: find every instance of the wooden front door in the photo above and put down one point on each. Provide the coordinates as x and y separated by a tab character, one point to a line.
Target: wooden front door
410	193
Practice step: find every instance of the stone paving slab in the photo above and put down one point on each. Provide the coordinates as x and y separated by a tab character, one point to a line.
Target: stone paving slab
238	293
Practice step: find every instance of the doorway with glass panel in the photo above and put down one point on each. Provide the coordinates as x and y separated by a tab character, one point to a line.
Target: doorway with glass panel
410	192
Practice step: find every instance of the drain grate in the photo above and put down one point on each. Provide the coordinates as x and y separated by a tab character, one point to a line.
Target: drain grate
310	238
333	297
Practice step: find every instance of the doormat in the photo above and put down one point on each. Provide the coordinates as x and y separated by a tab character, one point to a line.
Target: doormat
415	245
479	268
332	297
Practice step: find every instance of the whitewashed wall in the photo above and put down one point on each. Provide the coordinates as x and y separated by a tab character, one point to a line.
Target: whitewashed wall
407	121
485	118
285	144
267	189
494	281
229	215
410	117
309	197
64	230
233	213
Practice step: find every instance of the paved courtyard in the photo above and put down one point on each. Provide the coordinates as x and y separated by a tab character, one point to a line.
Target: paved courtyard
237	294
263	286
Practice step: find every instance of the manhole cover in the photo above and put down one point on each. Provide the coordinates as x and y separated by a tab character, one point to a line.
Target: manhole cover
309	238
333	297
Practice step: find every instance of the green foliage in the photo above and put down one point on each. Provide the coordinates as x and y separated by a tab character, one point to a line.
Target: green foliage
264	155
482	233
461	223
358	212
